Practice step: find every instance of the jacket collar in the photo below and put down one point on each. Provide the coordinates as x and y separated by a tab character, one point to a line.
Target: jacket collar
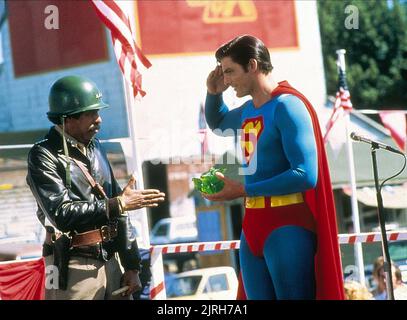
55	138
55	134
71	140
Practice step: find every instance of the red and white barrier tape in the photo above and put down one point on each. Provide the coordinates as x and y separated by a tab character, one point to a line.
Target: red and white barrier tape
370	237
196	247
235	244
158	288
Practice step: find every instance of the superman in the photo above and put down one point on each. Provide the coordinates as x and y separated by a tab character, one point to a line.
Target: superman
289	247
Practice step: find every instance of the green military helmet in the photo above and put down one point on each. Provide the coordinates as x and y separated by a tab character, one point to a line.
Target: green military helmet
74	94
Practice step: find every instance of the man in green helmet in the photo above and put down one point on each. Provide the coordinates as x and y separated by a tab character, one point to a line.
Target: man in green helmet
80	202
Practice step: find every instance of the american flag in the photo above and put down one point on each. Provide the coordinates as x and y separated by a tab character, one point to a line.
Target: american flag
395	122
203	134
128	54
342	104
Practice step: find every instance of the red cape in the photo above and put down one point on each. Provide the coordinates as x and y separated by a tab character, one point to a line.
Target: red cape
328	267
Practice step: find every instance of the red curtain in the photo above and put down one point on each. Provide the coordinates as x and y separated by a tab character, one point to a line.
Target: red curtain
23	280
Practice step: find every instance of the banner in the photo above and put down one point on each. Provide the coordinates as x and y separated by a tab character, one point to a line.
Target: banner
196	26
22	280
48	35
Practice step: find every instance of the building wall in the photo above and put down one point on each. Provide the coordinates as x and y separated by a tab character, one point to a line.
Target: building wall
24	100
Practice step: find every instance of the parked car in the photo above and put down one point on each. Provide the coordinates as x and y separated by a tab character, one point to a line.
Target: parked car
174	230
217	283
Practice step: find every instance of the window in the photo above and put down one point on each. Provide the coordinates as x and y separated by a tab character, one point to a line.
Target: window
184	286
217	282
398	250
162	230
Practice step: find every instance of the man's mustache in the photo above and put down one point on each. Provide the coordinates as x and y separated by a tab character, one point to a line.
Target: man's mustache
94	127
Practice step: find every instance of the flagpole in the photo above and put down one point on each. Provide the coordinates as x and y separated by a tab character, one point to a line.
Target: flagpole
157	283
135	165
352	178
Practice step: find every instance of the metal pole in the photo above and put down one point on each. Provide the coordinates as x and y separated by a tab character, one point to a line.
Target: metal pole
352	178
382	222
135	166
156	268
354	203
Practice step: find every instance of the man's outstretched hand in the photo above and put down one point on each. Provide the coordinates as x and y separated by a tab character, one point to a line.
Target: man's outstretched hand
136	199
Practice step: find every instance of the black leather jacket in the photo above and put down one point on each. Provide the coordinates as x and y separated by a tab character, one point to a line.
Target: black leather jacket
76	208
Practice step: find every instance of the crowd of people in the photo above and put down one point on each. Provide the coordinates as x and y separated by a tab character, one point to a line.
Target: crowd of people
354	290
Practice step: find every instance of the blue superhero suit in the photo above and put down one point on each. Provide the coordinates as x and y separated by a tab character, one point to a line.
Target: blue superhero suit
278	243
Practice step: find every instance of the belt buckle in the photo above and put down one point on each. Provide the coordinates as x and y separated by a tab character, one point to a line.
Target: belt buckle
255	202
112	225
105	233
250	202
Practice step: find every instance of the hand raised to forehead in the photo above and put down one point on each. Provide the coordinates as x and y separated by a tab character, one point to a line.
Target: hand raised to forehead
215	81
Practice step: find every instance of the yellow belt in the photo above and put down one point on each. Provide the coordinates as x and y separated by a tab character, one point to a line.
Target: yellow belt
275	201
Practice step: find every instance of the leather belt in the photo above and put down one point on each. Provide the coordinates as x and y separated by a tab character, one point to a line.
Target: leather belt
273	201
104	234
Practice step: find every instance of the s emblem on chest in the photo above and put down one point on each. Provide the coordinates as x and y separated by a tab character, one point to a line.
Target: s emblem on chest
252	129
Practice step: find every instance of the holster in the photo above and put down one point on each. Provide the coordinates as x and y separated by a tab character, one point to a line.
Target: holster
61	248
122	242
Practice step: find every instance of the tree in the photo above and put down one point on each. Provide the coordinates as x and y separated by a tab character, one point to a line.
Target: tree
376	56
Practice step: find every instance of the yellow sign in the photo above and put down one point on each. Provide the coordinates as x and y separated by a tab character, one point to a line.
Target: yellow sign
6	186
226	11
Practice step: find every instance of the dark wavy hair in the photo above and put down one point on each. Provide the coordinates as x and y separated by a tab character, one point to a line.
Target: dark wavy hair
243	48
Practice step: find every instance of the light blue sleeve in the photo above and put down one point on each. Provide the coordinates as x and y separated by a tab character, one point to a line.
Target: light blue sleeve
294	123
218	116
